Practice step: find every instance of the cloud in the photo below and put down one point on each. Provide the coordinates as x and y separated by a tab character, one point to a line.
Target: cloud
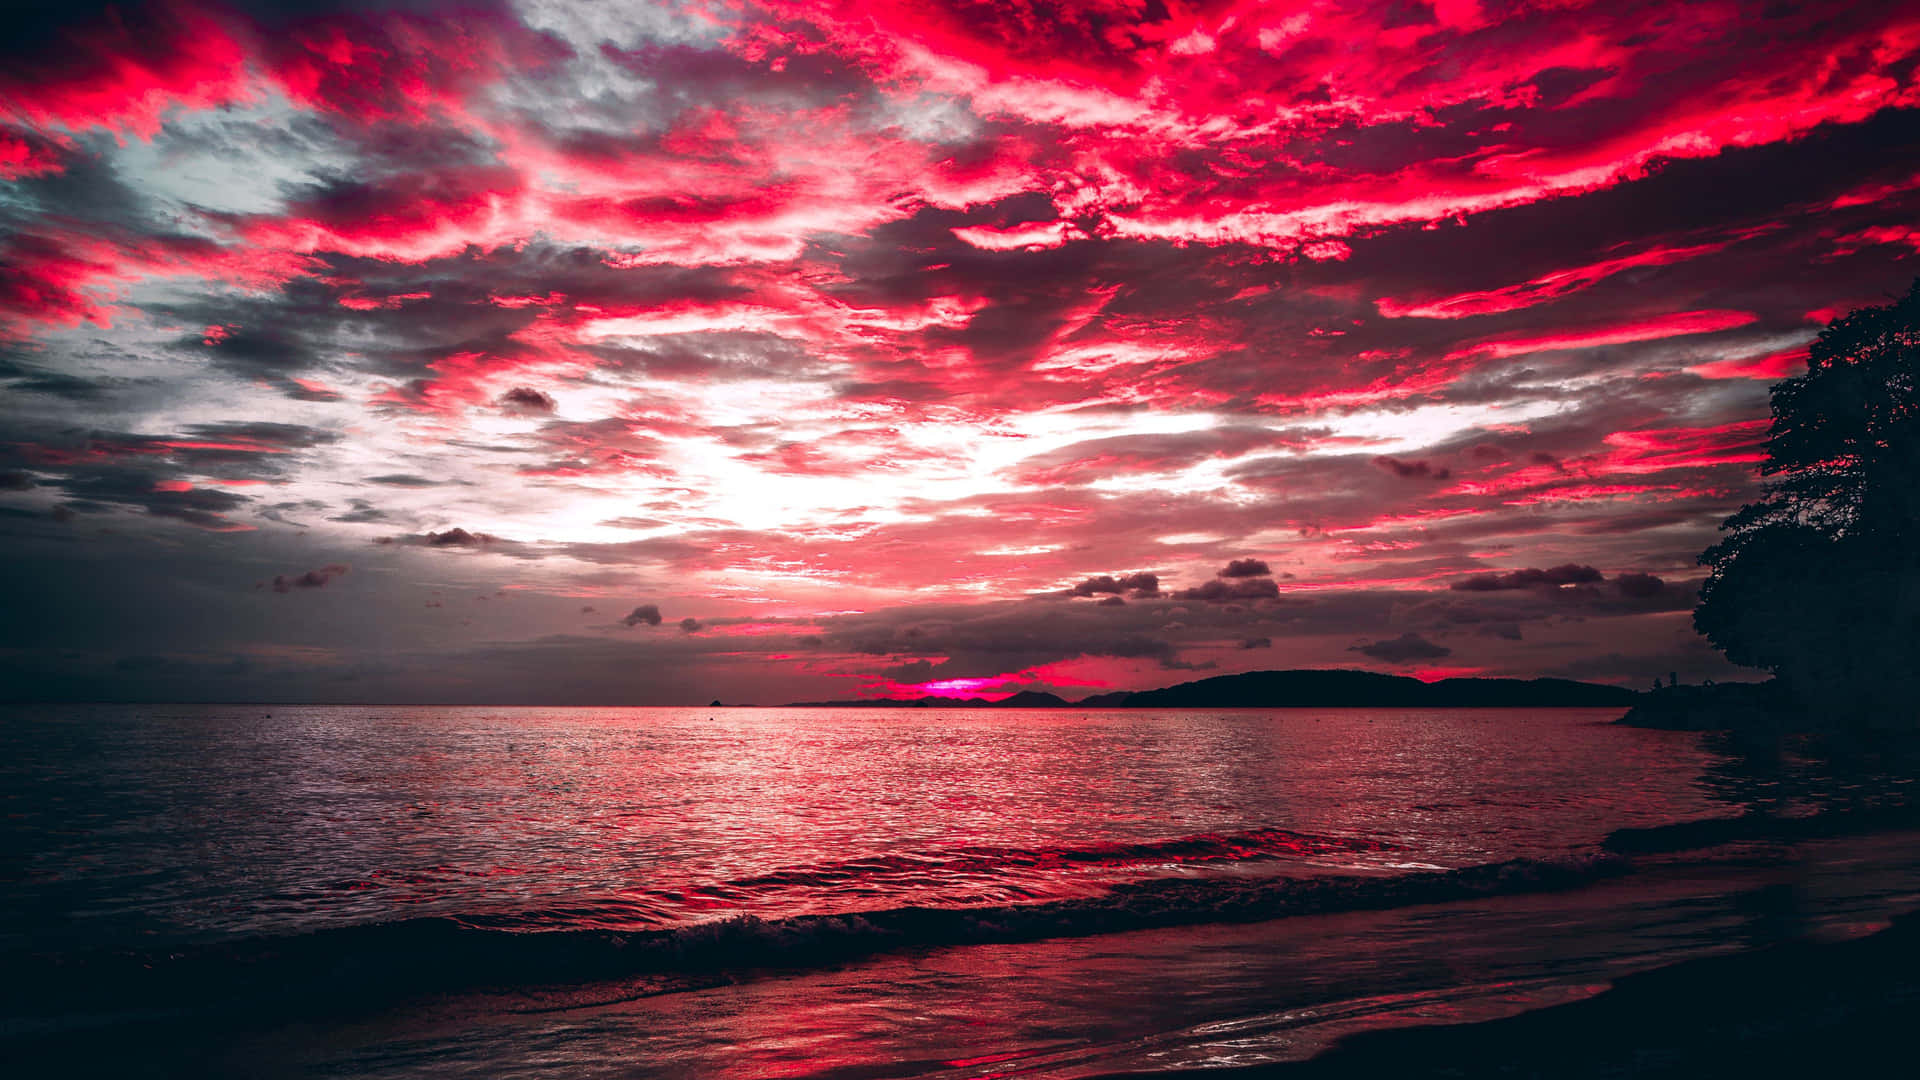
1244	568
1405	649
403	480
1225	592
1638	585
645	613
1138	585
363	513
527	401
1530	578
934	313
312	579
449	538
1411	470
689	625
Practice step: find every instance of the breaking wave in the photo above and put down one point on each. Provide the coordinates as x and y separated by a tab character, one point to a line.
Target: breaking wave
352	968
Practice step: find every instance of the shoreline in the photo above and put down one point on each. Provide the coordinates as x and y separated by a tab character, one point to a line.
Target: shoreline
1798	1008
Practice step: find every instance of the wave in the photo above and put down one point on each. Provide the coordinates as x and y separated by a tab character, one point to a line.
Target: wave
1254	844
357	967
967	875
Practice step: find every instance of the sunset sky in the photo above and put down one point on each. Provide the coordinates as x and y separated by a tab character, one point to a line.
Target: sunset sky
659	352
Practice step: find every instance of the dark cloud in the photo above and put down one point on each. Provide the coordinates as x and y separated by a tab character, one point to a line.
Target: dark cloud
1638	585
1405	649
1137	585
28	379
312	579
450	538
403	480
363	512
645	613
527	401
1244	568
1411	470
1530	578
205	508
690	625
1225	592
1256	643
992	639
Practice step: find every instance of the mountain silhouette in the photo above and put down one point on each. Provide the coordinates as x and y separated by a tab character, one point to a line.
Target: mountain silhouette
1343	689
1299	689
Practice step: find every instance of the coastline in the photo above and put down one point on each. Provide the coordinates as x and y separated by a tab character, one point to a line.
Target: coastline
1798	1008
1762	706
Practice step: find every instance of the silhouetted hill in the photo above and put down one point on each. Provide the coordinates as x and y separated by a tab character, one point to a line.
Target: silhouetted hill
1344	689
1300	689
1032	699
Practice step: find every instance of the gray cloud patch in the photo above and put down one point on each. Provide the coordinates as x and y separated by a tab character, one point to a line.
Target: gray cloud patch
450	538
312	579
1227	592
1638	586
522	399
1530	578
1139	585
1404	649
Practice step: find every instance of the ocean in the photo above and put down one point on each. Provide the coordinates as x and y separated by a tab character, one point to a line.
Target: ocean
462	891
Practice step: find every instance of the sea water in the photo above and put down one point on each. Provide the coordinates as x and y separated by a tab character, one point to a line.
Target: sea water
857	892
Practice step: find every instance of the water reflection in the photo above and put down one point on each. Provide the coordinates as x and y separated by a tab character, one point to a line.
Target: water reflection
158	827
142	823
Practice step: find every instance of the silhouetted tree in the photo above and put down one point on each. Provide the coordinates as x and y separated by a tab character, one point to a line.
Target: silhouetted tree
1819	580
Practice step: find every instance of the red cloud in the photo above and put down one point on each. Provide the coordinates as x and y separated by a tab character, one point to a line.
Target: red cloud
1685	448
63	279
1540	290
413	217
23	156
1771	367
123	69
1678	324
401	65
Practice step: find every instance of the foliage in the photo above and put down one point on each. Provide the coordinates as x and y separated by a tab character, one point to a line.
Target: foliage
1819	580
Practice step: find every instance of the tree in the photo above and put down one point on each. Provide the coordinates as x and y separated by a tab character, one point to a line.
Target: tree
1819	580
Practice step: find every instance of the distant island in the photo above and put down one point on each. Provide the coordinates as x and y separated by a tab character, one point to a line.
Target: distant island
1295	689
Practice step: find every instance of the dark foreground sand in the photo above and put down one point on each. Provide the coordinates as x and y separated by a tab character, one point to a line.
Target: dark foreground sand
1799	1009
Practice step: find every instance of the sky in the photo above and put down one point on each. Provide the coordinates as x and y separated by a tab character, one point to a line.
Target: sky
653	353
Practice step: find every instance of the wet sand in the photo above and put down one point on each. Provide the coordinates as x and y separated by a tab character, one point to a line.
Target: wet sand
1798	1009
